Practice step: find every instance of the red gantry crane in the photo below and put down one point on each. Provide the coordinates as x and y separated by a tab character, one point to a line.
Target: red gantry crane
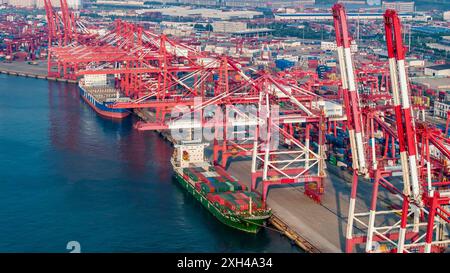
351	104
415	194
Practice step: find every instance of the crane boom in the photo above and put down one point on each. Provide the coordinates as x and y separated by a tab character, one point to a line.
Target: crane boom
351	99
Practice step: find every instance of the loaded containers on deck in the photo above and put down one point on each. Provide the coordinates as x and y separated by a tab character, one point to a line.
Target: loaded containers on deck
95	91
220	193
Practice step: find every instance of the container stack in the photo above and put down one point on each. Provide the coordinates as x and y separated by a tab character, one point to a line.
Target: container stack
323	70
222	189
339	154
238	201
283	64
218	186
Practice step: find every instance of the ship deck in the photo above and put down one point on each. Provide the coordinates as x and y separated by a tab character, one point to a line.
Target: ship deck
101	94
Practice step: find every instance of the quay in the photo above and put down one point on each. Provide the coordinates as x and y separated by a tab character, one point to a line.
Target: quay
23	69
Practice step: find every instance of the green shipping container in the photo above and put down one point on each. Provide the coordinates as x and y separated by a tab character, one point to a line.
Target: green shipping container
230	186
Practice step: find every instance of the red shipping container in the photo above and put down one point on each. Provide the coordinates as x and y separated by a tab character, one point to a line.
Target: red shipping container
219	178
200	176
220	200
211	197
313	63
243	196
242	204
236	195
230	205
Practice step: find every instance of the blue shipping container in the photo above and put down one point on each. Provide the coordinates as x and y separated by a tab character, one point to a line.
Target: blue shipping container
283	64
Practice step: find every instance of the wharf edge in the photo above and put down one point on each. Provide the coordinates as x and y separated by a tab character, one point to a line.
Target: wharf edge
34	75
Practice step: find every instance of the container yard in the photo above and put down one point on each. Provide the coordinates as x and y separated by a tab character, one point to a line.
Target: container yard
339	141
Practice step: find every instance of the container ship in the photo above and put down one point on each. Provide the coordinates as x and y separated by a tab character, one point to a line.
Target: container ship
100	95
220	193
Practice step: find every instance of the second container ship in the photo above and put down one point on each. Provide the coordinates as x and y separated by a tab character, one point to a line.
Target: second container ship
100	95
221	194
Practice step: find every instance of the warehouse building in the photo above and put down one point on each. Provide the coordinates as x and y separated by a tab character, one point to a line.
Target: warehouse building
118	3
247	3
263	4
325	45
438	70
329	16
441	109
212	14
22	3
447	16
228	26
74	4
399	6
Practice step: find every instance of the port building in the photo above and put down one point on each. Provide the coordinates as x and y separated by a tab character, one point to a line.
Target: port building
399	6
446	16
438	70
245	3
441	109
74	4
327	16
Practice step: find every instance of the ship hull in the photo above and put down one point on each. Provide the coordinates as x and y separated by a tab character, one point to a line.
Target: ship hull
246	225
101	108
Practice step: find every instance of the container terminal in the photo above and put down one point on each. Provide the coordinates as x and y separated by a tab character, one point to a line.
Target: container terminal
340	144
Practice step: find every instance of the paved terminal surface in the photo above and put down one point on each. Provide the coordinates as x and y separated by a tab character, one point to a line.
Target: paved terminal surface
23	67
322	225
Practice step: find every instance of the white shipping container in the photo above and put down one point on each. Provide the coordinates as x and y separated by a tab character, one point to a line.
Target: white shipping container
341	164
332	109
95	80
416	63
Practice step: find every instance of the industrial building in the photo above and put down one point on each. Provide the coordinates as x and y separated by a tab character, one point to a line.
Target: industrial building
22	3
441	109
124	3
438	70
399	6
327	16
246	3
324	45
353	2
446	16
74	4
272	4
374	2
213	14
228	26
177	28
